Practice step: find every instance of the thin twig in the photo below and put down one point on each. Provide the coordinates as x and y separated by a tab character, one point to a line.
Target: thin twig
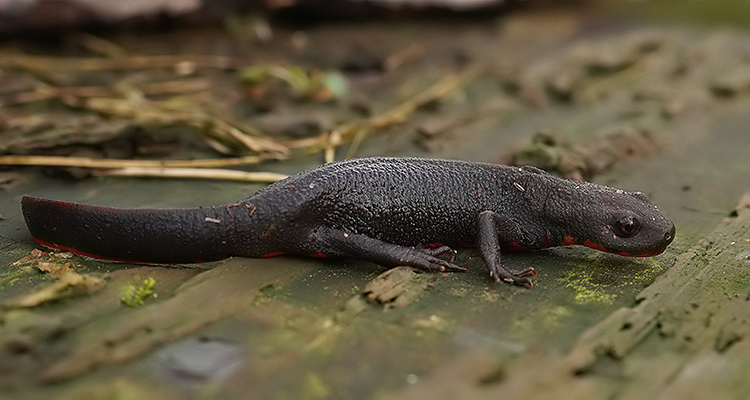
248	137
396	60
86	162
154	88
100	45
194	173
124	63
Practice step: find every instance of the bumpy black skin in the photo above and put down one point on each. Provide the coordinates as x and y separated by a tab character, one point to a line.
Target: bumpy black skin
391	211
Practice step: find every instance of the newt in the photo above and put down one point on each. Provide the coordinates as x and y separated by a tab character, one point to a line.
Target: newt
388	210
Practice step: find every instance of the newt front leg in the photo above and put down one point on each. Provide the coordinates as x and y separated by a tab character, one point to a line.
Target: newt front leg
490	227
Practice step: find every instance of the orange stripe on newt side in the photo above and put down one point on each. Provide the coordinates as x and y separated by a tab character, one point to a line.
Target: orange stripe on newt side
568	241
625	253
596	246
318	254
272	254
629	254
514	246
92	255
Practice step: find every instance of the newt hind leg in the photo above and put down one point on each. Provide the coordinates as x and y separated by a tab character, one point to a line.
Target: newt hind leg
338	243
443	252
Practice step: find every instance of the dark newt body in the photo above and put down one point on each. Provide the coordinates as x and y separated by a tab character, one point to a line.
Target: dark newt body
391	211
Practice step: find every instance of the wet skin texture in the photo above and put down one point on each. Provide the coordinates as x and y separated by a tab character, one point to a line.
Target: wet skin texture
390	211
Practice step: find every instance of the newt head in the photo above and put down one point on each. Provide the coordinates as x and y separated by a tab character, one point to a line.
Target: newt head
615	221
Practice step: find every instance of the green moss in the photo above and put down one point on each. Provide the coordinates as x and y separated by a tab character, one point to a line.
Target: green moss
133	295
604	285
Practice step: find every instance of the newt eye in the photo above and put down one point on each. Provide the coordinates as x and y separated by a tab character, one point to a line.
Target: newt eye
627	227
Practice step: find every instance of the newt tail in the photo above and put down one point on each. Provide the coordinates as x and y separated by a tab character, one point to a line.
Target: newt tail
132	235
